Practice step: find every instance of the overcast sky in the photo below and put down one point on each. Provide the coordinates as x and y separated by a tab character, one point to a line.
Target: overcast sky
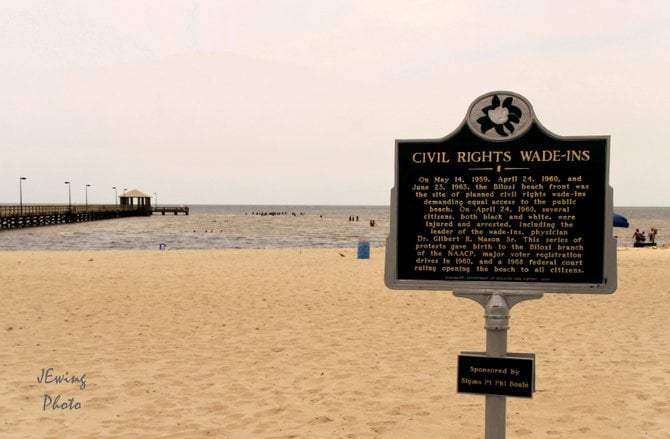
300	101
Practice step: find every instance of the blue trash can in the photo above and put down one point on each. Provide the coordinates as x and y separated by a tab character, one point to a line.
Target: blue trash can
363	249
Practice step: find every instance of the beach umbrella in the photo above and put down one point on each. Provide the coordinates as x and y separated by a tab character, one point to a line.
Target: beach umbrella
620	220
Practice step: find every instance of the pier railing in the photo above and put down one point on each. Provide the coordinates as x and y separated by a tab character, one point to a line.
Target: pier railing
46	209
14	217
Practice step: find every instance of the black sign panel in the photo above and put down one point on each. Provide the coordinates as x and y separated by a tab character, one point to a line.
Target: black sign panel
506	376
476	208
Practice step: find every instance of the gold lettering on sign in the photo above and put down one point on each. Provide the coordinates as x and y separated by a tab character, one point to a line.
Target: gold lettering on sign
497	226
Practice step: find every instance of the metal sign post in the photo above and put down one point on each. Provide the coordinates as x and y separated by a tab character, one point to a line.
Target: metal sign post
497	307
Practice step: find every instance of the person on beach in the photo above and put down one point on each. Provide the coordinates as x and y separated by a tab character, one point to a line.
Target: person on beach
652	235
637	236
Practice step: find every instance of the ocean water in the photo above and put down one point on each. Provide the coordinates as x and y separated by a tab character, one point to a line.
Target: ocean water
209	227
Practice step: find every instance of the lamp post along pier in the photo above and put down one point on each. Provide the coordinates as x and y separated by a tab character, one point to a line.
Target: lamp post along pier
69	195
21	194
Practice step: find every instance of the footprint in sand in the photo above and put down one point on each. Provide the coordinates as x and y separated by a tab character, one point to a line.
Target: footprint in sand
566	418
380	427
320	420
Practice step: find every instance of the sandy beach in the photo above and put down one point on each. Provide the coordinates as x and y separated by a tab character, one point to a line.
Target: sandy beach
310	344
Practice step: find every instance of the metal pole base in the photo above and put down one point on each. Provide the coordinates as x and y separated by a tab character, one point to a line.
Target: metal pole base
497	305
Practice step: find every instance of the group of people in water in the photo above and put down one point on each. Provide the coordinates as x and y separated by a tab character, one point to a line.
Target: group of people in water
642	240
276	213
352	218
355	219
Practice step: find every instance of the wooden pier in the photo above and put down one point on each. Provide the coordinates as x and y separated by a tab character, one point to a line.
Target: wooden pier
14	217
131	203
171	209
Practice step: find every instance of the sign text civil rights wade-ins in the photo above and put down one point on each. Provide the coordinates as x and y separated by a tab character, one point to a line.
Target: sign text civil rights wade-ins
504	201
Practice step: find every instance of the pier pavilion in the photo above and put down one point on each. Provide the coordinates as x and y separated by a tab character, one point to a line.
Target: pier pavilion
135	198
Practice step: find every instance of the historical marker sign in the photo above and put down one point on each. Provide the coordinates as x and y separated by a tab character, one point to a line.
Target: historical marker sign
502	203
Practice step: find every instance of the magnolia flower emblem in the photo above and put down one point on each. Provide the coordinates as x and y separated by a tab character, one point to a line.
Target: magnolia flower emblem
500	117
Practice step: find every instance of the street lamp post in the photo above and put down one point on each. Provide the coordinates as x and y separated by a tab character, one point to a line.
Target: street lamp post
69	195
87	186
21	194
116	196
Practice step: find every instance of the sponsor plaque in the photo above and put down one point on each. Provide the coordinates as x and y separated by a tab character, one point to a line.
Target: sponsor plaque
512	375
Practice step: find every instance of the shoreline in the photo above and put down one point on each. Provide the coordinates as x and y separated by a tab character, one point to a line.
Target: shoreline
378	246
